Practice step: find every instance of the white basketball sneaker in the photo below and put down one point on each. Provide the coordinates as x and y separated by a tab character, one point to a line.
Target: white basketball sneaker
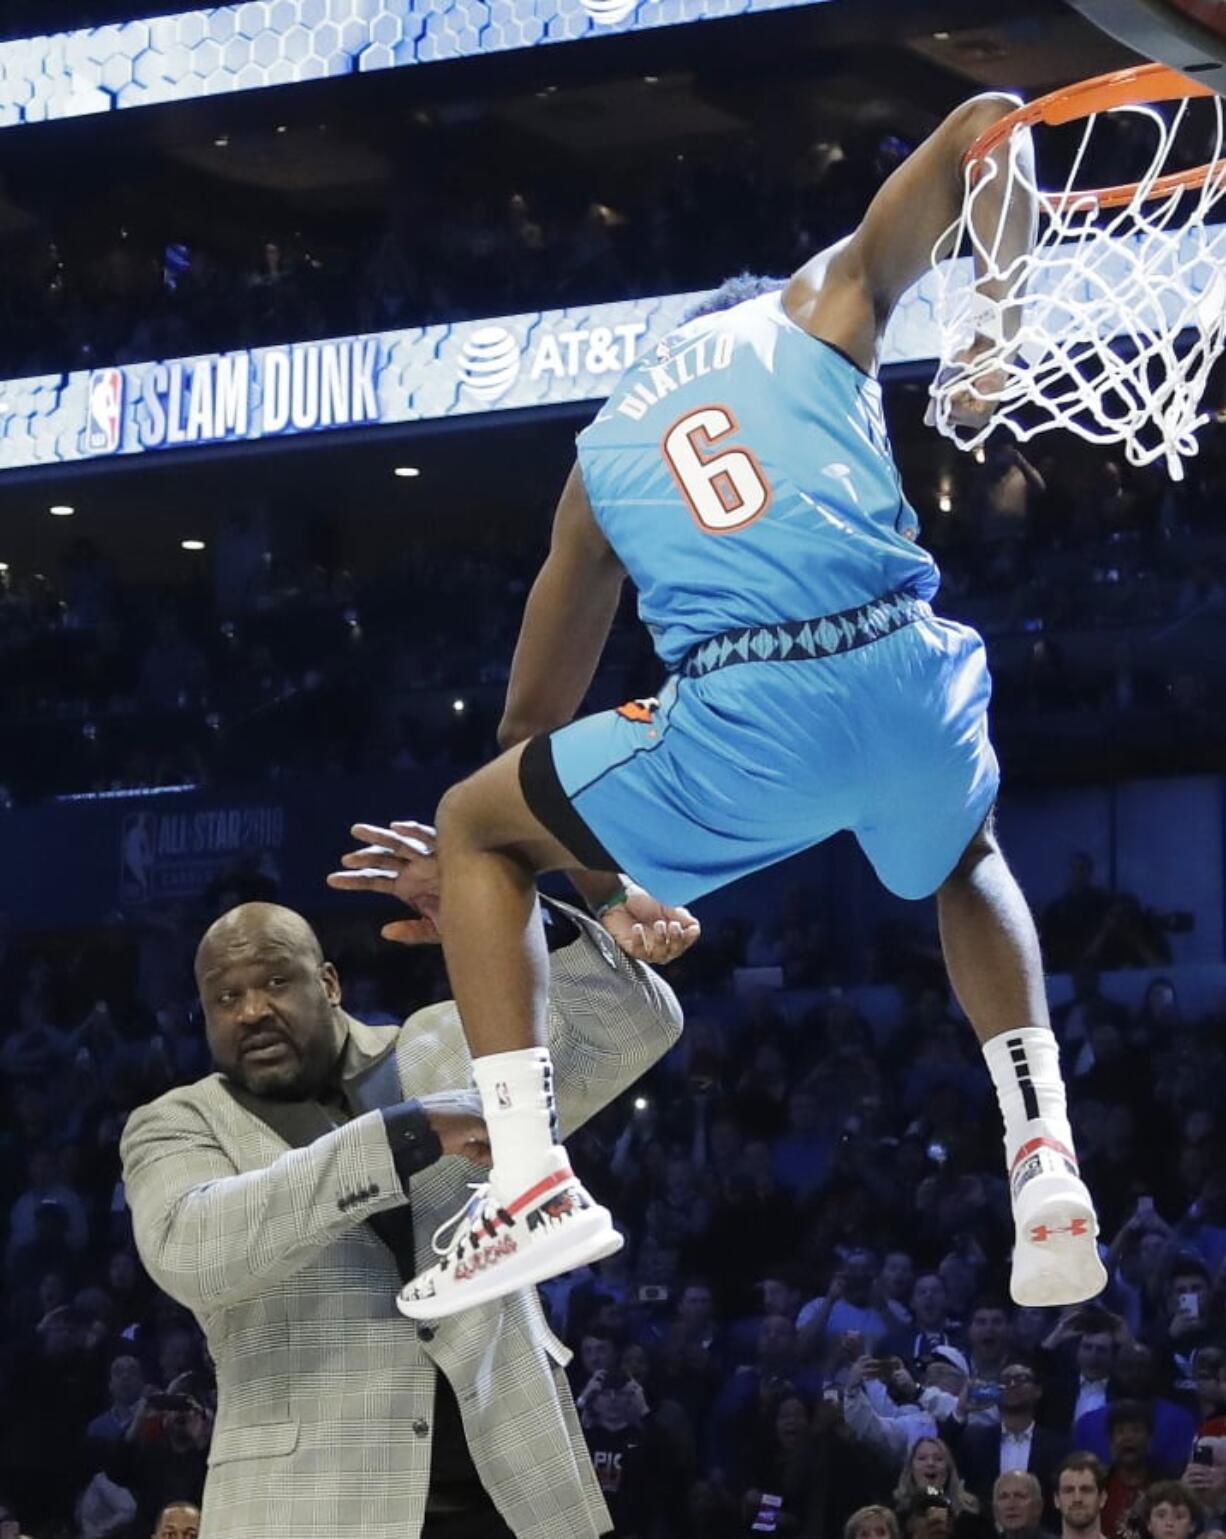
494	1248
1055	1251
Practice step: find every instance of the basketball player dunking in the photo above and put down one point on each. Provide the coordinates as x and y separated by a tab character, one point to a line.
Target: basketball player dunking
741	475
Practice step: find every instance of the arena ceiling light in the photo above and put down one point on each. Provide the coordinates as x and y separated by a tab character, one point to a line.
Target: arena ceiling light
191	544
407	472
61	510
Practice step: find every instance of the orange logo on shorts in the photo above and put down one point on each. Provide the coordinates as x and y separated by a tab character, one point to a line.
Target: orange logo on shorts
638	710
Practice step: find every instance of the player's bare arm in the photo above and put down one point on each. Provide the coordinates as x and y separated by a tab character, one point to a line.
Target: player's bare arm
566	622
846	297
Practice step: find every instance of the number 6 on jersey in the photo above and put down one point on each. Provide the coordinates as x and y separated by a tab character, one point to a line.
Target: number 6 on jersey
724	491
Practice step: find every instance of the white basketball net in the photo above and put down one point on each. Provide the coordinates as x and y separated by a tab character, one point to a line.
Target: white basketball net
1119	316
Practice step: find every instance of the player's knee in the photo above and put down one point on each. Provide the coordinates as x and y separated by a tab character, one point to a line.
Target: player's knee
458	818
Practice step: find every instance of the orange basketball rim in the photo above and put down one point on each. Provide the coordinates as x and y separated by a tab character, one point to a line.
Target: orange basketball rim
1143	84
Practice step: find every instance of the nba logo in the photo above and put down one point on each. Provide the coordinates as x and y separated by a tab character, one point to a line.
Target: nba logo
104	428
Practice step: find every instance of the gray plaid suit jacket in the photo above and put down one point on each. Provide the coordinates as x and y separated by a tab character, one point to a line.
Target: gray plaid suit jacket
326	1393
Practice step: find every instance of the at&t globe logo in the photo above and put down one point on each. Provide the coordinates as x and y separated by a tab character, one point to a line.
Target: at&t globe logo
607	13
489	363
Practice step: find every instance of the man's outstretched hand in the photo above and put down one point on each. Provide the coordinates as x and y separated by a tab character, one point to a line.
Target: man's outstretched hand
651	931
396	862
400	862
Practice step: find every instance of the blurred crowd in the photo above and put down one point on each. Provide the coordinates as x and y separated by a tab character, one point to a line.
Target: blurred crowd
809	1317
100	291
1099	592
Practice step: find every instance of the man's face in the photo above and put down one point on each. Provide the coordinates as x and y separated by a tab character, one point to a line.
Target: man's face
776	1338
897	1274
611	1410
928	1300
1015	1504
1168	1521
1129	1442
988	1330
1095	1355
596	1353
778	1298
1020	1389
872	1528
1078	1500
127	1381
697	1306
270	1009
179	1523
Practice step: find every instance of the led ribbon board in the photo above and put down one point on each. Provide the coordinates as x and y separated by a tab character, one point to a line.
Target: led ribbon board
421	374
276	42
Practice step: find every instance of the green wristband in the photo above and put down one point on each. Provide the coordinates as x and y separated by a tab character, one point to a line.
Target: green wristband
619	897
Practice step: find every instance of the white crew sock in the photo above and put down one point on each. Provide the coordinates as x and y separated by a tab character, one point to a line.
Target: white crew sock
520	1113
1025	1068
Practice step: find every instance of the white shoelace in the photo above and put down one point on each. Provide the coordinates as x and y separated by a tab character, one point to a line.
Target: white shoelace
479	1211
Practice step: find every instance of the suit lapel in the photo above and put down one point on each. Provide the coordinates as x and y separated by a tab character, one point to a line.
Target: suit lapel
298	1123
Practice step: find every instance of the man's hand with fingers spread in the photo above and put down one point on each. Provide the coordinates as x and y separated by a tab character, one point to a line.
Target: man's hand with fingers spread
396	862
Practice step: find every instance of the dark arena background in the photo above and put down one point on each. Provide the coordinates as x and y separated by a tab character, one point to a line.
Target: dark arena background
302	303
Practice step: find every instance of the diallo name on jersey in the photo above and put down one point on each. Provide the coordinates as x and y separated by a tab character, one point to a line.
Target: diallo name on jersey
652	382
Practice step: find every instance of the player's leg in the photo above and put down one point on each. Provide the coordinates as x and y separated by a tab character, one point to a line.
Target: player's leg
927	829
491	849
992	953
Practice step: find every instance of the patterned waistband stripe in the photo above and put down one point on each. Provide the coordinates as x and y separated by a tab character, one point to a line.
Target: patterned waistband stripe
794	640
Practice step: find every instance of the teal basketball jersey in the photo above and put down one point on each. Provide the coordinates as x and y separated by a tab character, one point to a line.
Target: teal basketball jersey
742	473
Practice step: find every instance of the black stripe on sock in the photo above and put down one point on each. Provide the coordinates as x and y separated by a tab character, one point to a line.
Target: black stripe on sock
1021	1067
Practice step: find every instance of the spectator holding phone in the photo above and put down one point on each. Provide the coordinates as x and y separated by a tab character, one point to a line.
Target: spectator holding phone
1079	1356
885	1407
745	1401
1017	1442
614	1413
987	1337
1189	1299
164	1456
1205	1478
847	1306
784	1489
930	1471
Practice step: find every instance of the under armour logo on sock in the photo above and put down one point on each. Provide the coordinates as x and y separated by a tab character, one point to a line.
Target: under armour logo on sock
503	1094
1077	1227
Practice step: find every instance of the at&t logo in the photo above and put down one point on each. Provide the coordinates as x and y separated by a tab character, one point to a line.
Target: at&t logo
491	360
489	363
